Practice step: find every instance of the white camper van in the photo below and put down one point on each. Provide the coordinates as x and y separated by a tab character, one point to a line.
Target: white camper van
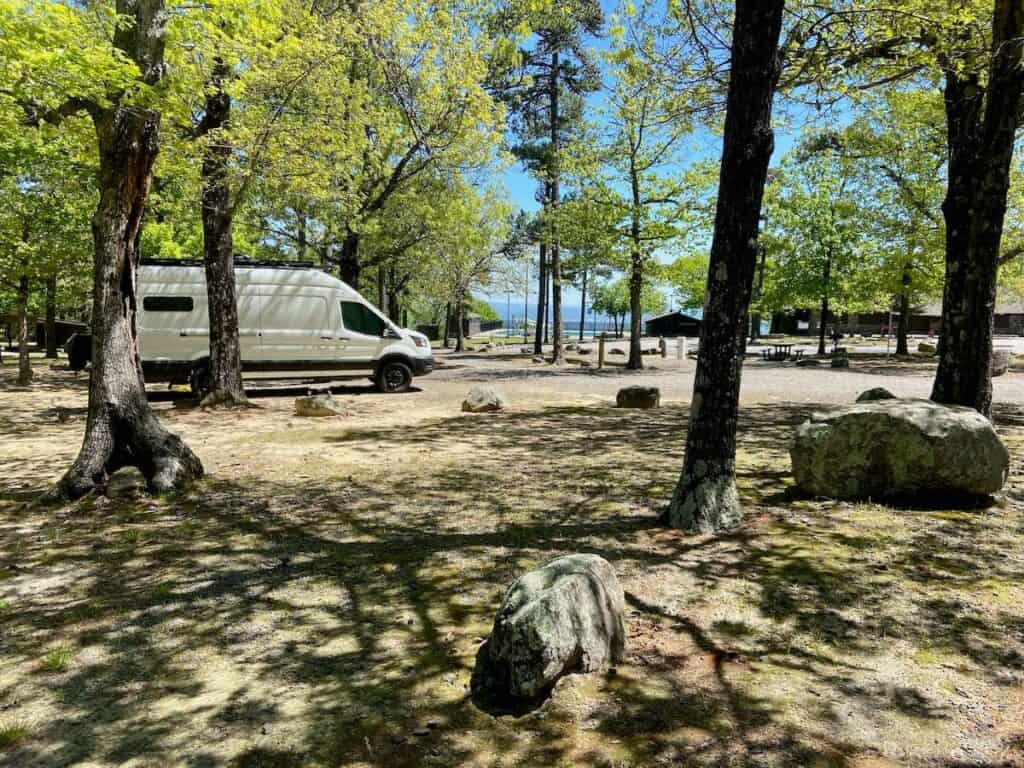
294	322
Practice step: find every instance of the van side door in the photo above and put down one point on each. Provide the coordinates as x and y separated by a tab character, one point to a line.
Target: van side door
363	331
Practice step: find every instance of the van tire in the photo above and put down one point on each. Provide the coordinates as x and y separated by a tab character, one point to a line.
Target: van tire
394	377
200	380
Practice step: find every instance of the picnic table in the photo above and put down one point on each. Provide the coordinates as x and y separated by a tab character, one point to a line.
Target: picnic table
780	352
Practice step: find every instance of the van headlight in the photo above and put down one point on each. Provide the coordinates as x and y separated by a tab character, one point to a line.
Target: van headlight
419	341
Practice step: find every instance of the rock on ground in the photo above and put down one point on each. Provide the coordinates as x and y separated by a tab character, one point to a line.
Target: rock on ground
538	359
566	616
1000	361
638	397
806	362
318	405
616	351
896	447
875	393
483	399
927	349
840	362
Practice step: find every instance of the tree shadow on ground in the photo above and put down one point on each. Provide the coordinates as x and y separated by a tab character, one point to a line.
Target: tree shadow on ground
335	621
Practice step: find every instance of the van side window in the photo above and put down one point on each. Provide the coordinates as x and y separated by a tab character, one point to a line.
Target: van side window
167	303
361	319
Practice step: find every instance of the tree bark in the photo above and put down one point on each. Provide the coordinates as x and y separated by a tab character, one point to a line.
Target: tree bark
706	498
121	429
981	125
24	361
636	275
348	265
225	387
826	278
51	317
447	324
382	288
542	286
558	352
583	304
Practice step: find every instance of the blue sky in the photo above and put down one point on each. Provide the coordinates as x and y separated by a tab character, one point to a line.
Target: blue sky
704	144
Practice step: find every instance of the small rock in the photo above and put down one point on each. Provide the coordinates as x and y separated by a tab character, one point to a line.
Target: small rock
638	397
538	359
586	364
318	405
875	393
926	349
525	350
584	351
484	399
1000	363
420	732
616	351
840	362
433	724
808	362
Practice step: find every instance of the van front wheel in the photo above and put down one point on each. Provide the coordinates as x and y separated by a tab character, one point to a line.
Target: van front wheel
394	377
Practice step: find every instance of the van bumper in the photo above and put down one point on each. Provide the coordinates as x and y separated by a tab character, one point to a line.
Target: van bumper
421	366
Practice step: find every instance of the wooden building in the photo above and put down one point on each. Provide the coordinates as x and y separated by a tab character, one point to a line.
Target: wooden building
673	324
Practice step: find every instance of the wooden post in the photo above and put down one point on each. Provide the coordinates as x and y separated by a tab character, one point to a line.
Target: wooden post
600	351
663	346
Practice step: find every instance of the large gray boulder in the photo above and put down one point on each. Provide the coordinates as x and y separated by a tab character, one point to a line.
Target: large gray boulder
483	399
318	405
638	397
895	447
1000	361
566	616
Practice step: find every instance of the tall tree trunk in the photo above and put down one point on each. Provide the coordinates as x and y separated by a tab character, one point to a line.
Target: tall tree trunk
558	353
542	291
51	317
823	323
460	319
981	125
301	234
706	498
636	275
225	386
447	324
583	304
902	348
755	319
393	310
348	265
382	288
24	361
121	429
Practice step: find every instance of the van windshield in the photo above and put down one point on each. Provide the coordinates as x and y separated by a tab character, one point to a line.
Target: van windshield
359	318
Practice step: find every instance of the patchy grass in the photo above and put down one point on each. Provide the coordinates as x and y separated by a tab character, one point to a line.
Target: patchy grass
57	659
319	601
12	733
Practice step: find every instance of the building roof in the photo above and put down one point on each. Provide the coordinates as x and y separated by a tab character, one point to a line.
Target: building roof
673	313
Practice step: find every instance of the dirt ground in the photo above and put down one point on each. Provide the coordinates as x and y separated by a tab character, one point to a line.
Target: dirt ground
318	600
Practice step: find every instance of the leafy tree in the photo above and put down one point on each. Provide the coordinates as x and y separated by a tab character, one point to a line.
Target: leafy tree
108	63
545	93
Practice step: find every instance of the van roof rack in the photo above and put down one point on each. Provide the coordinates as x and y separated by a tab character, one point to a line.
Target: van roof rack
240	262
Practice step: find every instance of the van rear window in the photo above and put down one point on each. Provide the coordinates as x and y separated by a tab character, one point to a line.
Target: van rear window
167	303
361	319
